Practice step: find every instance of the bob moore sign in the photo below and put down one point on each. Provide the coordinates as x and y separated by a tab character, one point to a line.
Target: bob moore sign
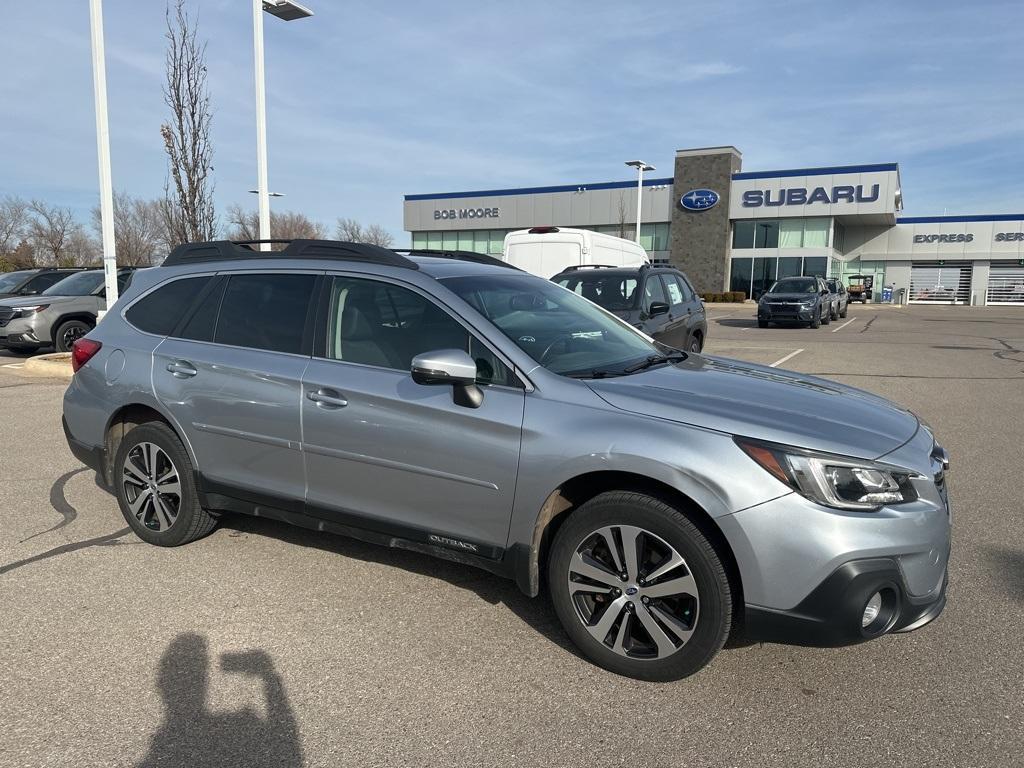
467	213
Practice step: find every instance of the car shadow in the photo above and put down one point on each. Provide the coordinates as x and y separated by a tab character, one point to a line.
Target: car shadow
535	612
1010	563
193	735
732	322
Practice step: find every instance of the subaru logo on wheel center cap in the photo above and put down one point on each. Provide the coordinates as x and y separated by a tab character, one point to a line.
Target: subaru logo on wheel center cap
699	199
631	591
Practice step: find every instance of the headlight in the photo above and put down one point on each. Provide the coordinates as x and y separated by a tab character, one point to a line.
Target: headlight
834	481
26	311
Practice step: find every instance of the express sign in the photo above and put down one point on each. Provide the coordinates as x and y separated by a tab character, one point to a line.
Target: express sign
757	198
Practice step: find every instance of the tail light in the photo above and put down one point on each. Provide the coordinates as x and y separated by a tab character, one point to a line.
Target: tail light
82	351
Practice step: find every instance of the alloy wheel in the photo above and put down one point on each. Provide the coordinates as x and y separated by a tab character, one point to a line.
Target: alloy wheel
633	592
151	486
71	335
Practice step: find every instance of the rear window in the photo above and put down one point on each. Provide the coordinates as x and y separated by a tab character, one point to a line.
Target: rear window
613	292
160	311
265	311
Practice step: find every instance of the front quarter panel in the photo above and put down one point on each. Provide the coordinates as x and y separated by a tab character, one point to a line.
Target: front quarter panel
571	432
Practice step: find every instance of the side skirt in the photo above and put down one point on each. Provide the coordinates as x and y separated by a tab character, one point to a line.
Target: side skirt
220	496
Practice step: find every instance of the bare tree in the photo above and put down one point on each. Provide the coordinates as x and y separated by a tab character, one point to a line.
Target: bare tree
81	249
49	229
622	216
137	229
187	207
13	222
286	225
352	231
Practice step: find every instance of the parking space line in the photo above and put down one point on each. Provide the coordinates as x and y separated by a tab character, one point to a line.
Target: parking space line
836	330
13	365
790	356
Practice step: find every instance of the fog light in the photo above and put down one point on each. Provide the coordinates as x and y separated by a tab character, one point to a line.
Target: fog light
871	610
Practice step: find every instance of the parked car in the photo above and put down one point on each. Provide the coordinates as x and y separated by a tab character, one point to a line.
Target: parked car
477	413
547	251
842	300
660	301
31	282
796	300
58	316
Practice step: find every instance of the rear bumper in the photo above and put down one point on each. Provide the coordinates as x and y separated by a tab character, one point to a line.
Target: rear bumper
93	457
831	614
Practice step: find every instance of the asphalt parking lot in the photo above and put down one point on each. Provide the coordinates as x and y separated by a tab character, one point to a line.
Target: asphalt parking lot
267	645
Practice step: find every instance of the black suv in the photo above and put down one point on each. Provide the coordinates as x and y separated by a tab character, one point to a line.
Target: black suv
31	282
796	300
658	300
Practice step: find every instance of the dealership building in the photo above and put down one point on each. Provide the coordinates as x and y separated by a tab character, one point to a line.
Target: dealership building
734	230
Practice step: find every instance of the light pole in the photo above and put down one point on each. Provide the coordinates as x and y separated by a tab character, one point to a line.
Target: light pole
99	82
640	166
286	10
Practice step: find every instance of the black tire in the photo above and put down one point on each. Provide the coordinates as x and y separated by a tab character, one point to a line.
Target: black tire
68	333
695	344
833	313
192	521
762	323
714	615
845	310
22	350
816	322
826	316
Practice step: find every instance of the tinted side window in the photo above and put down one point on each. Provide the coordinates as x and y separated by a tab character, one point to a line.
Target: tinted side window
159	311
374	323
265	311
203	321
685	288
654	291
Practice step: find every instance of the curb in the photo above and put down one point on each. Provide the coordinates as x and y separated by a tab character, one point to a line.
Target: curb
55	366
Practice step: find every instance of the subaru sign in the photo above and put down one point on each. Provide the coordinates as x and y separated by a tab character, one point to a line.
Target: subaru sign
699	199
756	198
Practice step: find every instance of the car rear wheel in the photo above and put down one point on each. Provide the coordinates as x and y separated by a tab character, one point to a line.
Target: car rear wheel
155	487
695	344
68	333
639	589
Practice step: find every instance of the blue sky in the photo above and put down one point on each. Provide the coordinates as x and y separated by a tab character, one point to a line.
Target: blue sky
368	101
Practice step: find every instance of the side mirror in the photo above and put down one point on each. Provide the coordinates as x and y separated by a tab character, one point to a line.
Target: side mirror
658	308
29	292
449	366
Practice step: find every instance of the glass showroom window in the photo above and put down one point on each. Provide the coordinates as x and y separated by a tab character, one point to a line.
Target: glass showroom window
434	241
791	233
419	240
743	234
790	266
653	237
739	279
816	233
816	265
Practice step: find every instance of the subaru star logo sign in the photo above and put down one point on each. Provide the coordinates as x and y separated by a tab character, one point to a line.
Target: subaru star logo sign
699	199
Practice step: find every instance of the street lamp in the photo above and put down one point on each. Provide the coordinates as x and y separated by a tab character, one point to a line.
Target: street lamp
640	166
99	81
286	10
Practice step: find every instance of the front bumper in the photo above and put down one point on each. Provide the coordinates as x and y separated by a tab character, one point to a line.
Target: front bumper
831	614
785	314
19	332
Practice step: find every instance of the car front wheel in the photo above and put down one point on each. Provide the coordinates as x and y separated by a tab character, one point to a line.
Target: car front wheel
68	333
638	588
155	487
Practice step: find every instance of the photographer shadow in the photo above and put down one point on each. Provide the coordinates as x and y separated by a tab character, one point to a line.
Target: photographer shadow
191	735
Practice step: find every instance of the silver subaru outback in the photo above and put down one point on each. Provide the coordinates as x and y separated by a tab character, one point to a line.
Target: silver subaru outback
451	404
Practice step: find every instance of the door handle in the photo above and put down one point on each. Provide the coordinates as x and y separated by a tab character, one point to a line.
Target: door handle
181	369
326	398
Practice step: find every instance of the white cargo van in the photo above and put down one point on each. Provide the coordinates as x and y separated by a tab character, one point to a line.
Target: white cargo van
546	251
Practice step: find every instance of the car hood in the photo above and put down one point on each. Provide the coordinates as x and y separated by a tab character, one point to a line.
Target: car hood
33	301
765	403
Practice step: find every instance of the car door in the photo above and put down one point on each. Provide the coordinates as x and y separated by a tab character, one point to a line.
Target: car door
385	453
231	376
695	312
677	327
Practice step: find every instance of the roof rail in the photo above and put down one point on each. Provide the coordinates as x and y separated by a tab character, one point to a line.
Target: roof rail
470	256
578	267
228	250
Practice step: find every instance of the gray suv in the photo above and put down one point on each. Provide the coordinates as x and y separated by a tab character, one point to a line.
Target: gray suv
58	316
465	409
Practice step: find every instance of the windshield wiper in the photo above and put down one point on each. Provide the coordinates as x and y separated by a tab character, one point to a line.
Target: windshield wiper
597	373
673	357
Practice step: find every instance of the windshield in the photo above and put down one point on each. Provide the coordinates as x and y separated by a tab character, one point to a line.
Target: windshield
560	330
796	285
11	280
80	284
615	293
